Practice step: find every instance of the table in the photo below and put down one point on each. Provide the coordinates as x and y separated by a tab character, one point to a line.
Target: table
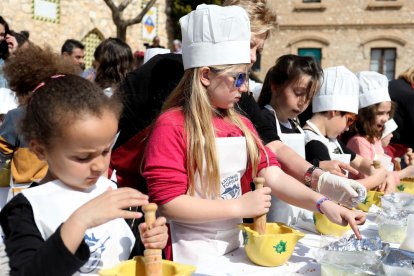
302	262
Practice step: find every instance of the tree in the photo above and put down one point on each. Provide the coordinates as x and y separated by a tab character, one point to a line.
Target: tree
118	18
182	7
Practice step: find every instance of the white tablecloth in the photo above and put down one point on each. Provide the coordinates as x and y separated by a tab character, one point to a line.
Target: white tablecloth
302	262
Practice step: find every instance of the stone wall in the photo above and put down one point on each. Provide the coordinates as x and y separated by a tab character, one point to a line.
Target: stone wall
344	30
77	19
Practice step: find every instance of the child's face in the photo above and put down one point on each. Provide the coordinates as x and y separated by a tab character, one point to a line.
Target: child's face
222	91
292	101
82	153
256	46
383	115
339	123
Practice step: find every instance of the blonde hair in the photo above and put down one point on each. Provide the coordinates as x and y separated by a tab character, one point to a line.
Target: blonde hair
192	98
262	19
408	75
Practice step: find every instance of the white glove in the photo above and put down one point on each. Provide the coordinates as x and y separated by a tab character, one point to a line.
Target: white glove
345	191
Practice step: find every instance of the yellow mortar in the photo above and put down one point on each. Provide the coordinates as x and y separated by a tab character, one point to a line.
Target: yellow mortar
273	248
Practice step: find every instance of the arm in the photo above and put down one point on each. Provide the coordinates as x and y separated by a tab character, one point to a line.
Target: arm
294	165
250	205
29	254
373	177
301	196
105	207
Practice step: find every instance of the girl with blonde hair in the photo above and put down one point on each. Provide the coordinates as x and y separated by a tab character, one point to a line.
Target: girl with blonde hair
202	155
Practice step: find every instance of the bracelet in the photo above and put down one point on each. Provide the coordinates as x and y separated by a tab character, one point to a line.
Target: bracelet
308	176
319	203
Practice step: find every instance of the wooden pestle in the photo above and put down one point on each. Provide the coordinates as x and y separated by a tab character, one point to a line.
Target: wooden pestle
397	164
152	257
377	164
259	223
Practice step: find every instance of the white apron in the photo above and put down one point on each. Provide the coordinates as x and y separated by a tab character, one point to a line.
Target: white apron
194	242
331	144
54	202
281	211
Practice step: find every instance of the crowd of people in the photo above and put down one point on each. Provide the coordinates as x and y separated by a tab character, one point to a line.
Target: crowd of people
81	151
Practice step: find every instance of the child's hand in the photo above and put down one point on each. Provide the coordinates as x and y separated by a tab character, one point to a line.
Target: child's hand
343	216
409	171
407	158
108	206
255	203
390	185
337	167
157	236
340	189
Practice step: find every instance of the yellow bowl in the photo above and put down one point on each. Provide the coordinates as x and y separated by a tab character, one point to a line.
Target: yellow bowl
373	197
136	267
324	226
406	186
273	248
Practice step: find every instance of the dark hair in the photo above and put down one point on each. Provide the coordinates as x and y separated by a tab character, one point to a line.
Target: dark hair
71	44
20	37
4	48
287	70
115	60
4	23
31	66
365	125
61	101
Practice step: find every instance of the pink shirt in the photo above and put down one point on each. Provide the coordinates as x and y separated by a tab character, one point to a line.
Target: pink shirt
363	147
165	156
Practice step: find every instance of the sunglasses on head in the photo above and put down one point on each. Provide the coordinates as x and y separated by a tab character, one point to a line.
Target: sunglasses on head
350	119
240	78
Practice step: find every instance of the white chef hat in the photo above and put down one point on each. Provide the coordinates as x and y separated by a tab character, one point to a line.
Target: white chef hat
373	88
389	127
151	52
215	35
339	91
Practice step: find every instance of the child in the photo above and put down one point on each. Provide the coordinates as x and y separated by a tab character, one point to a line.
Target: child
202	155
375	109
73	223
113	59
287	91
25	166
395	150
334	109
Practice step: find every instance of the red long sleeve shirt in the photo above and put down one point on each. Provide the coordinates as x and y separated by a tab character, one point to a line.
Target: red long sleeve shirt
165	156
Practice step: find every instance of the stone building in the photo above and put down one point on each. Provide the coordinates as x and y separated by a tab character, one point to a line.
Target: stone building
360	34
51	22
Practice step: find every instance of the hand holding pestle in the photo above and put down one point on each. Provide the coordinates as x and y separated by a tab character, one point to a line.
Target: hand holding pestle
397	164
377	164
152	257
259	223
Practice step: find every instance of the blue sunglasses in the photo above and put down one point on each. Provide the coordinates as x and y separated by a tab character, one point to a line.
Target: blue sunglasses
240	78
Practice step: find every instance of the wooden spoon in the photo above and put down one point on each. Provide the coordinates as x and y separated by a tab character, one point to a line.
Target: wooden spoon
152	257
259	223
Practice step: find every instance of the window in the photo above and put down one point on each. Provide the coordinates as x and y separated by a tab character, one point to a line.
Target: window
91	41
46	10
383	61
316	53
